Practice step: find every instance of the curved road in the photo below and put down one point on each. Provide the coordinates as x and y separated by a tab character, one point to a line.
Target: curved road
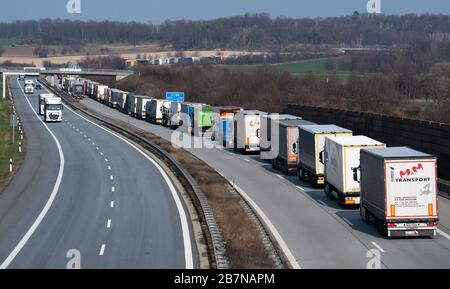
82	187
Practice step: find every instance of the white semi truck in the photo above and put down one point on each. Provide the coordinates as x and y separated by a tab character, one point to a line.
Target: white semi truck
399	192
53	109
341	157
154	110
41	103
247	130
29	89
311	146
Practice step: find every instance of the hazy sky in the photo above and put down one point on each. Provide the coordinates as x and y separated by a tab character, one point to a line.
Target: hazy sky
159	10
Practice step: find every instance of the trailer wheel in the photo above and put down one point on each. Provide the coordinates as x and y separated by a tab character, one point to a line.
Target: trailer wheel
274	165
301	174
381	227
327	190
341	199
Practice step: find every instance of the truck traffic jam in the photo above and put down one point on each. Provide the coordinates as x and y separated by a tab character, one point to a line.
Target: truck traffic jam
395	188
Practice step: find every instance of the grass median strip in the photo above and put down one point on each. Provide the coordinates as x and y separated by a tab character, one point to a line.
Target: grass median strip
8	150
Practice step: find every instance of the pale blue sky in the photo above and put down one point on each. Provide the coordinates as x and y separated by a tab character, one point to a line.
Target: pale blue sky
159	10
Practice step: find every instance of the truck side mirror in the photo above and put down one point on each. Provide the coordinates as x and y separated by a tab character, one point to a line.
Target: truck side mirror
258	132
321	157
355	174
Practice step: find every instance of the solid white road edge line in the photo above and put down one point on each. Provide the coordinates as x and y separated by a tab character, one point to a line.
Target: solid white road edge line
188	256
269	224
49	203
444	234
347	221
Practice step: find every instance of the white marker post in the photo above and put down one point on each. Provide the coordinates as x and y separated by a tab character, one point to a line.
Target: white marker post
10	165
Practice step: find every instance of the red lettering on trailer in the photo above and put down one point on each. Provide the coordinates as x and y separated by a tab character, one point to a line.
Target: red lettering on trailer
412	171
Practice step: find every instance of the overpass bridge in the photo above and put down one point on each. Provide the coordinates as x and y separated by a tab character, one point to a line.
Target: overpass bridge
37	71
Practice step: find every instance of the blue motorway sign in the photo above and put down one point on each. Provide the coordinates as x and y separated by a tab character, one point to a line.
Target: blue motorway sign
175	96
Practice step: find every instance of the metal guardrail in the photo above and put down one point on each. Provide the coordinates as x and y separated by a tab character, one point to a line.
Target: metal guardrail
220	260
444	190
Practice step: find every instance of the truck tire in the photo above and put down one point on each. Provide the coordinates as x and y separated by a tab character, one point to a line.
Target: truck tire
312	181
341	199
327	189
286	170
381	227
301	174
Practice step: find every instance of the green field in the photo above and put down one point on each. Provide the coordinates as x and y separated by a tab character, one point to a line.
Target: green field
7	149
302	67
8	41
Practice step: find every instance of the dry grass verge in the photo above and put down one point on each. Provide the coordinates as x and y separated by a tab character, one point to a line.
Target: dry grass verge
7	149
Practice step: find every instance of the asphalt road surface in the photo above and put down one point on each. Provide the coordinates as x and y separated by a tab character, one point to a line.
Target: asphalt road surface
86	194
316	231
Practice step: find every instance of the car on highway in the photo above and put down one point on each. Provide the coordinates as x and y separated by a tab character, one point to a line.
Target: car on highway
38	86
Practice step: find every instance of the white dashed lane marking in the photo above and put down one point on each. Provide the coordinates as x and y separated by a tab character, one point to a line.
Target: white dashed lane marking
102	250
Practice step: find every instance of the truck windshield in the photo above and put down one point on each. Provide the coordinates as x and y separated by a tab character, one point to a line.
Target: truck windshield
53	106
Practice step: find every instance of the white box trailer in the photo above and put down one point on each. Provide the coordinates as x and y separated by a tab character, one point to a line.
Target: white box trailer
399	191
41	100
284	144
99	92
269	132
246	130
122	100
172	115
342	156
154	110
311	145
139	107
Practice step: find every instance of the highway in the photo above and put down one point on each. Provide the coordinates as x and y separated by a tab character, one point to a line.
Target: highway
82	187
316	231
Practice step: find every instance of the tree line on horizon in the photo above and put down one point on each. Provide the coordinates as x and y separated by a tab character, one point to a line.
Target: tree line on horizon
248	32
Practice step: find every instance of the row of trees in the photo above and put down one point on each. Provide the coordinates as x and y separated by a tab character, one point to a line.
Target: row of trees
251	31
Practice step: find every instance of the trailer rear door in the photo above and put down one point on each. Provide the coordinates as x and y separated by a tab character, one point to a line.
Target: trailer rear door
411	189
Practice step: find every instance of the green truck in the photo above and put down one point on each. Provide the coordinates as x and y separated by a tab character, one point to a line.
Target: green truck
203	118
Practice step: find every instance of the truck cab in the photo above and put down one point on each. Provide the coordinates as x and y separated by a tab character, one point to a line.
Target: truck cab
29	89
53	109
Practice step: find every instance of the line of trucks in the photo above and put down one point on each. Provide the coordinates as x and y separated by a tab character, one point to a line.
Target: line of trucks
49	105
395	188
